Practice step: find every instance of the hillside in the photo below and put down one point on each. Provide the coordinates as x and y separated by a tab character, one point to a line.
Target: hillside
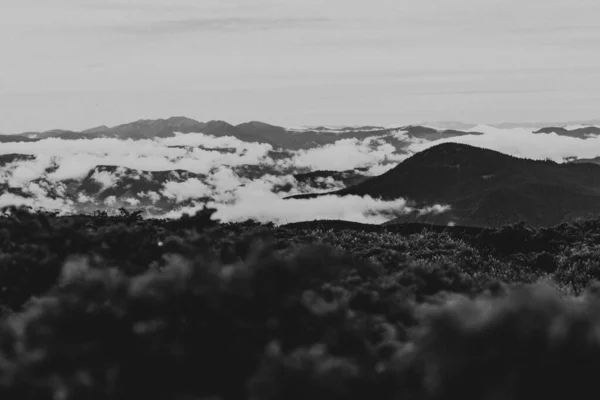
488	188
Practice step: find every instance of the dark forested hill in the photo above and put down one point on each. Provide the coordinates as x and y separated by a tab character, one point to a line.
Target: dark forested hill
488	188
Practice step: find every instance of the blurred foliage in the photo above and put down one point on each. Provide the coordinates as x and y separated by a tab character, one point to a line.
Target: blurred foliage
120	307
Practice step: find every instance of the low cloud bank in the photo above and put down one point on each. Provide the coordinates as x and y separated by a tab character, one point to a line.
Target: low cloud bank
181	191
42	181
347	154
255	205
194	152
256	200
75	158
39	202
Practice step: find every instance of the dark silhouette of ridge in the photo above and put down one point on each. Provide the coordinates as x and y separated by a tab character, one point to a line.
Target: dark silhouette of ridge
487	188
580	133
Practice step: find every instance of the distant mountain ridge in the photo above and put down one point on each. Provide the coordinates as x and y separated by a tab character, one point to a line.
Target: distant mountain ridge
582	132
277	136
253	131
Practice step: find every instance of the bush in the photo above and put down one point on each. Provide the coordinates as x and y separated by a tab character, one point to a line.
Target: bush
99	306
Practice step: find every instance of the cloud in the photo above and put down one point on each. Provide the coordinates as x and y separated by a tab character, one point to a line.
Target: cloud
255	199
82	198
153	196
105	178
330	183
380	169
110	201
264	207
215	159
435	209
19	173
37	202
35	190
345	154
132	202
75	158
181	191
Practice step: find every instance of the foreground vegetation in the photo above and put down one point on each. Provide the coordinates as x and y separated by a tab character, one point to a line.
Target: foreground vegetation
117	307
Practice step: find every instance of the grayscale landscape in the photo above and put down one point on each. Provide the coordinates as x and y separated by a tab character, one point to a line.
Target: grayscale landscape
280	200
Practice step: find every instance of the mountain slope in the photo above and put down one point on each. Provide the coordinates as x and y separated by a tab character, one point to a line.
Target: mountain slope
488	188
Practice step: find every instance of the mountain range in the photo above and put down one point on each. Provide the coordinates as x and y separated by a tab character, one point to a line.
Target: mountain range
480	187
579	132
254	131
486	188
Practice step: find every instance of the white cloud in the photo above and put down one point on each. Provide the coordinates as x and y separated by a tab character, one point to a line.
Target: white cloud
265	206
212	142
132	202
224	182
435	209
225	179
106	178
82	198
9	199
381	169
330	183
35	189
75	158
256	200
20	172
110	201
344	155
189	189
153	196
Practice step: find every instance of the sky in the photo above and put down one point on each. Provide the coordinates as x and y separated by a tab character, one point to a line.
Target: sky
75	64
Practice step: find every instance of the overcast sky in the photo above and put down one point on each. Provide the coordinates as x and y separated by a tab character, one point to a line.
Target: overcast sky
75	64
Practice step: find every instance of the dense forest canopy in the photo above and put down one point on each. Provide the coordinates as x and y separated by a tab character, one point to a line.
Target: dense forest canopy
107	307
